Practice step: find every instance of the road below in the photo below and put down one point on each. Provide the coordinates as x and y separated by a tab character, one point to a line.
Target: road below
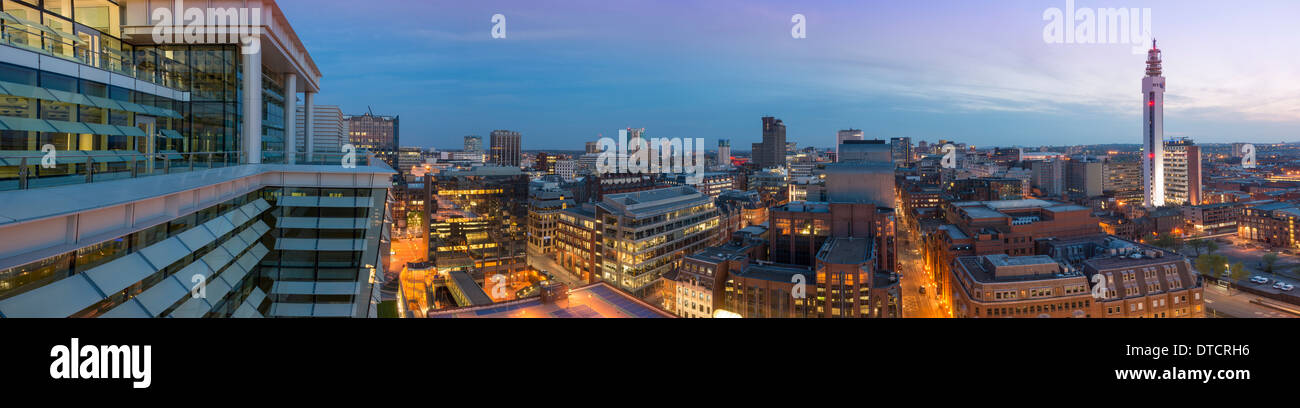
545	263
916	304
403	250
1220	302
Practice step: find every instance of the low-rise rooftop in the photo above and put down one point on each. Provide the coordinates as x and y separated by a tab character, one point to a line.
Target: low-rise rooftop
597	300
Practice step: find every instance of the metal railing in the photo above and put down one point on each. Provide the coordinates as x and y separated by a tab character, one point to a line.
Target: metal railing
23	172
27	170
106	58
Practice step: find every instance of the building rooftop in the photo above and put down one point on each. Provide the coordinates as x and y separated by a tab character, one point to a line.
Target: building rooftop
732	250
597	300
846	251
1275	206
650	203
775	272
805	206
581	211
1001	268
485	171
473	292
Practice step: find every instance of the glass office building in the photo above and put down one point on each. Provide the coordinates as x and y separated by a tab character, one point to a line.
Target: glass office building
140	179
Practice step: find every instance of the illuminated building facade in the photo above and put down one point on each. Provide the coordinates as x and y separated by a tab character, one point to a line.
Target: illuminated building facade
1153	131
1275	224
378	134
506	148
1182	169
646	233
577	240
176	157
479	221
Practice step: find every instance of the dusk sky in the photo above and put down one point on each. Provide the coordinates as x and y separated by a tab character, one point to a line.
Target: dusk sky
973	71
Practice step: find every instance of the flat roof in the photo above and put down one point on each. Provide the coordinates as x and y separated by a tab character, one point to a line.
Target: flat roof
470	288
775	272
953	231
597	300
845	251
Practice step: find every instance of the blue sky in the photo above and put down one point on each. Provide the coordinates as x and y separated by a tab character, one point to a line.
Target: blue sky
974	71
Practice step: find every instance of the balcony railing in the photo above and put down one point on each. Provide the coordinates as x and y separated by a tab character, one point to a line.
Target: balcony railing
22	170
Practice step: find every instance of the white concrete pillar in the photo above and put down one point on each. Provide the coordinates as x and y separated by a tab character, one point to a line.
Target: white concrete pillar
309	133
290	118
252	108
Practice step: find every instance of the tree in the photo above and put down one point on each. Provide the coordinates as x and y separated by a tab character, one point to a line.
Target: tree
1212	265
1268	262
1165	241
1211	246
1238	273
1197	245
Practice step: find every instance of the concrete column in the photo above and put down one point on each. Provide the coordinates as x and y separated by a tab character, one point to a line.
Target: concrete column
290	118
309	134
252	108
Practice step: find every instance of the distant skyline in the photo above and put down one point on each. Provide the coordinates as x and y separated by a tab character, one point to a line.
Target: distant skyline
976	72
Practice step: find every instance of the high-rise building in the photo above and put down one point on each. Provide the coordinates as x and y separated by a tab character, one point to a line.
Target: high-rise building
844	135
1122	176
1153	131
901	149
864	174
331	133
592	147
1049	176
774	145
1084	177
473	143
506	148
545	162
1182	172
378	134
479	221
219	203
724	152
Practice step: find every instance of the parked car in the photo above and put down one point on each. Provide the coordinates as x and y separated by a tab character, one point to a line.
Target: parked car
1287	287
1259	279
1278	285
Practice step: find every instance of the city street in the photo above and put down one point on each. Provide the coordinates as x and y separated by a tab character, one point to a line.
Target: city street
544	263
1221	302
916	304
404	250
